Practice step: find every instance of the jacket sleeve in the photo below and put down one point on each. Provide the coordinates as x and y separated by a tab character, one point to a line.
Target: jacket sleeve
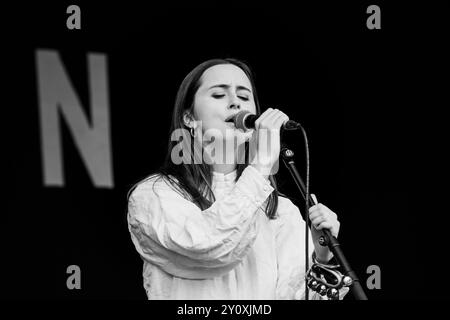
290	246
173	233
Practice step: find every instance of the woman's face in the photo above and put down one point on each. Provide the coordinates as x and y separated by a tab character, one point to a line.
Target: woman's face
224	91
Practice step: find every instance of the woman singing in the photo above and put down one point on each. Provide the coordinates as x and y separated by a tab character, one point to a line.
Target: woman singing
212	229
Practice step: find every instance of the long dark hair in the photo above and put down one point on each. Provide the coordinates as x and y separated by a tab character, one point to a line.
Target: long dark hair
193	180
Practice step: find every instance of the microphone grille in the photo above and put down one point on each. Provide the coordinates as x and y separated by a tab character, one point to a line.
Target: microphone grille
239	120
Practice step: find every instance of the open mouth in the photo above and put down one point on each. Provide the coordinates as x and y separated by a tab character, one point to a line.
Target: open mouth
230	119
230	124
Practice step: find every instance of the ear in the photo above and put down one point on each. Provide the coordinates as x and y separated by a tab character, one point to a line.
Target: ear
189	120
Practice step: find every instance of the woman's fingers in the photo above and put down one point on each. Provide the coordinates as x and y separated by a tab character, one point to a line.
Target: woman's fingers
262	117
323	218
320	209
334	229
319	213
318	220
267	137
271	119
318	206
280	119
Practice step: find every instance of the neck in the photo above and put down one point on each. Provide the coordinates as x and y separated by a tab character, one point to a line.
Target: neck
227	159
224	168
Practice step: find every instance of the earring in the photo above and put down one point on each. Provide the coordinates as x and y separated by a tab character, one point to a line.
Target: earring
193	134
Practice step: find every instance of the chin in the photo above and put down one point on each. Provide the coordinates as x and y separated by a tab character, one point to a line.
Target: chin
236	135
226	135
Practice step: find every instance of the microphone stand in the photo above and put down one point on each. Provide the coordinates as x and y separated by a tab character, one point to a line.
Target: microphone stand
327	239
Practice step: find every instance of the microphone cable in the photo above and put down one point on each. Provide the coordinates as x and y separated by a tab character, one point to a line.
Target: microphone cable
307	222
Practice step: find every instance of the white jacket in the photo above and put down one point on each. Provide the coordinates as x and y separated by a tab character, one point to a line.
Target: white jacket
229	251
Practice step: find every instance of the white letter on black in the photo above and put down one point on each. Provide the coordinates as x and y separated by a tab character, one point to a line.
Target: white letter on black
74	280
74	21
374	21
58	99
374	281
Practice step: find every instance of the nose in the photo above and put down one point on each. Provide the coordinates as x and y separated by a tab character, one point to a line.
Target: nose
234	103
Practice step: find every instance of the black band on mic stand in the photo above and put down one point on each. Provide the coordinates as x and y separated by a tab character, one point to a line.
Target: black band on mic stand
327	238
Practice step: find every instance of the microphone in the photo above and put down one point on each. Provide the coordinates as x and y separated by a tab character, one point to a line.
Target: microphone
245	120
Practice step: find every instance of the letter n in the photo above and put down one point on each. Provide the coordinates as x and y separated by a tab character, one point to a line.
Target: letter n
58	99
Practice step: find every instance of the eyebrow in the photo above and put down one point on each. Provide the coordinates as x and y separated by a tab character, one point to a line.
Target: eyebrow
226	86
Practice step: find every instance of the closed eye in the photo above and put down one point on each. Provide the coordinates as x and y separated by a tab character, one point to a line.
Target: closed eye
218	96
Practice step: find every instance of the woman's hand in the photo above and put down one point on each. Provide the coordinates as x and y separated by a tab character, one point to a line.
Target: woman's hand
322	218
265	141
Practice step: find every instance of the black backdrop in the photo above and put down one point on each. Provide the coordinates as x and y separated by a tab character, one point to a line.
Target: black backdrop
350	87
